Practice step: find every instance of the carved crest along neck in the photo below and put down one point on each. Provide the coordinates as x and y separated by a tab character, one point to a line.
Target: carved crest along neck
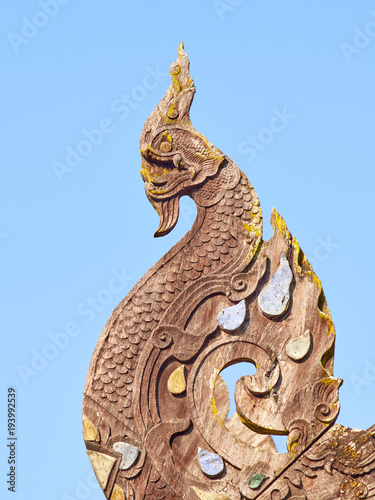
229	209
152	420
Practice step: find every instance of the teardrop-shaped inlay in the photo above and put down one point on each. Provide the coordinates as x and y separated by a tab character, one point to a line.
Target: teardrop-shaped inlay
117	493
204	495
129	454
298	347
177	381
274	298
256	480
211	464
232	317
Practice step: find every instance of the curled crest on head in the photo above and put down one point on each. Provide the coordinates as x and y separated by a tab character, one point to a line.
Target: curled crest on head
176	157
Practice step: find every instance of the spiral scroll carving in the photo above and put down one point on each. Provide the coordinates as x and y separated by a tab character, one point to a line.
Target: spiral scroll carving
153	425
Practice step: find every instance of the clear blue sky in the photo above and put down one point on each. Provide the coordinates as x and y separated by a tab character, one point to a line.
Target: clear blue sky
74	240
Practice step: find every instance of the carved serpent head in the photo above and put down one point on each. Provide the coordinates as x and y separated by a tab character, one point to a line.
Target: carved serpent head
176	158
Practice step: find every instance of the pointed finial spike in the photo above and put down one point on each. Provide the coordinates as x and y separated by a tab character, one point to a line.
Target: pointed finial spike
181	50
175	105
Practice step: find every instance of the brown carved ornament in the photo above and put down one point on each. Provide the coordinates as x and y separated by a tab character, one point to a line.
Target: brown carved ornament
155	406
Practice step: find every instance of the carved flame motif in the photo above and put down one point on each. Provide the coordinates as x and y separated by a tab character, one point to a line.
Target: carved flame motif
152	412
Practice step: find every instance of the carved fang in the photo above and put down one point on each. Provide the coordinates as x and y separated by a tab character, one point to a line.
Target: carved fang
168	211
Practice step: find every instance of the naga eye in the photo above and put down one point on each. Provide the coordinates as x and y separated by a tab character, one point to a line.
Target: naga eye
165	146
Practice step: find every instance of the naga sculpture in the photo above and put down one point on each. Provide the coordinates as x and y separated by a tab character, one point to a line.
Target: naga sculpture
155	406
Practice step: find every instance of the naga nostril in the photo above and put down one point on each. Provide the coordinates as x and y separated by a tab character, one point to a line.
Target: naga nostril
177	160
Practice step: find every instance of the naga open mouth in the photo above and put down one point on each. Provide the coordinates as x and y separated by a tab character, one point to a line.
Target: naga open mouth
151	172
161	181
163	190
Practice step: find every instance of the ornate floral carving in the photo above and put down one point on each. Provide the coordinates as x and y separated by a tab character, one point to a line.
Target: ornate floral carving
339	466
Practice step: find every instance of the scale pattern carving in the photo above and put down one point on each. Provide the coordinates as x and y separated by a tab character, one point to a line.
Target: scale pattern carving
153	415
